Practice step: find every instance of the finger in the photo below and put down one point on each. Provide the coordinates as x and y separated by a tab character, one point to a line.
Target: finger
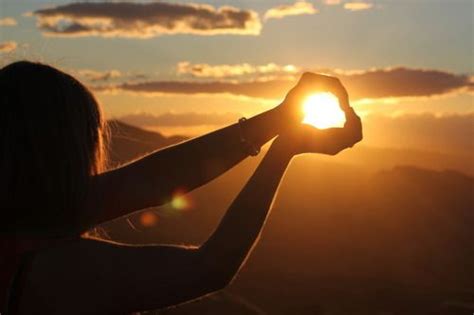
322	141
352	119
311	82
353	125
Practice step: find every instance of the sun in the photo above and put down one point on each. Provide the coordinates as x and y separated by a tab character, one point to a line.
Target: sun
322	111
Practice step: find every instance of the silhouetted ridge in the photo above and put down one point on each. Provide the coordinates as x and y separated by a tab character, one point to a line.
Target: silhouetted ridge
128	142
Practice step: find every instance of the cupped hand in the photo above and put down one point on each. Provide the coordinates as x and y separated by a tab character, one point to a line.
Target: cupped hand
297	138
291	111
305	138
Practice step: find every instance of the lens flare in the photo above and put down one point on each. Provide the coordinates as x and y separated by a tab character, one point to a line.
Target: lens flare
322	111
148	219
180	201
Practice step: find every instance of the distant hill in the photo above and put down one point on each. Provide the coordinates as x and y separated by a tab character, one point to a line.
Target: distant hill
354	234
128	142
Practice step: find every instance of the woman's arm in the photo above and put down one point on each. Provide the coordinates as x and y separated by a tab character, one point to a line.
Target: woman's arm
227	248
104	278
153	179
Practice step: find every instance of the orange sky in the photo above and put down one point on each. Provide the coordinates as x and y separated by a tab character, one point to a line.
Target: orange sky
211	62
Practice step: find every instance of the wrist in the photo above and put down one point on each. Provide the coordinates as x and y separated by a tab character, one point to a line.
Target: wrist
282	148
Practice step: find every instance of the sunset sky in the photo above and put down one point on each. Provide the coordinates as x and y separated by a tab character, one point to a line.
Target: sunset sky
189	67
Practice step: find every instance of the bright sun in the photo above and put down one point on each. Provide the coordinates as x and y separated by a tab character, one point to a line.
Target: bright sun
322	111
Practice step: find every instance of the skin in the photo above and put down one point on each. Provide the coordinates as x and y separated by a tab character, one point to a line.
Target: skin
98	277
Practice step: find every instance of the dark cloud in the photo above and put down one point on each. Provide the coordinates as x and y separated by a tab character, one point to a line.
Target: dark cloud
255	89
180	119
144	20
96	76
383	83
399	82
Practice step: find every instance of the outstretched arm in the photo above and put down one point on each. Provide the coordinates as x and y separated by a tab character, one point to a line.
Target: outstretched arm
152	180
104	278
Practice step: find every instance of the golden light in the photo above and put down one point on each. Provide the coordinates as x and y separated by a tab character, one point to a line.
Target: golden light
322	111
180	201
148	219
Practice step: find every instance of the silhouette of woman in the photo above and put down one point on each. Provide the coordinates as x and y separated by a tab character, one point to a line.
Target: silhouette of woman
54	187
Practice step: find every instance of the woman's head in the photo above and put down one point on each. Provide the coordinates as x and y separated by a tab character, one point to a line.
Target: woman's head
51	143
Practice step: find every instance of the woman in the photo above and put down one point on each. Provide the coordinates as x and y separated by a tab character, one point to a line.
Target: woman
54	188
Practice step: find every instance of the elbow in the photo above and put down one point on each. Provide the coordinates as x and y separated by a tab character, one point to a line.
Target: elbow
222	281
217	276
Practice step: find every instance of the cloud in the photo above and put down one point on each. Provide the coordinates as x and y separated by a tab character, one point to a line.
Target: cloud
180	119
404	82
94	76
357	6
372	84
332	2
8	21
145	19
284	10
6	47
255	89
232	70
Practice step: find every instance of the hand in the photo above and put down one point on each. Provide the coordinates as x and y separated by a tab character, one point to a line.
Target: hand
291	111
297	138
304	138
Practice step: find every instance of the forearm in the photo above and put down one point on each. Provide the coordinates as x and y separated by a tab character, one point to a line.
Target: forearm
235	236
196	162
152	180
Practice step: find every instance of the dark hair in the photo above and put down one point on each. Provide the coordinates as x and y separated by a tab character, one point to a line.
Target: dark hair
51	144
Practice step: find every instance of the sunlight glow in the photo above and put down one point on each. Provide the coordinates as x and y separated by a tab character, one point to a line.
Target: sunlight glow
148	219
322	111
180	202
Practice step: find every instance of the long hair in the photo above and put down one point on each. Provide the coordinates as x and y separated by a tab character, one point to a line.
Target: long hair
51	145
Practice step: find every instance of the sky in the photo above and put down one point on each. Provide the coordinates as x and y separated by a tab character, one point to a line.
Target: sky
191	66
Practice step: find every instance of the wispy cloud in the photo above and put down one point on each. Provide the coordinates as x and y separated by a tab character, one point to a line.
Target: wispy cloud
332	2
358	6
203	70
372	84
284	10
9	46
180	119
145	19
8	21
94	76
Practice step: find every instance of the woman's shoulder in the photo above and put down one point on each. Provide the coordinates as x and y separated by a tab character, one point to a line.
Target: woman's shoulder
17	254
